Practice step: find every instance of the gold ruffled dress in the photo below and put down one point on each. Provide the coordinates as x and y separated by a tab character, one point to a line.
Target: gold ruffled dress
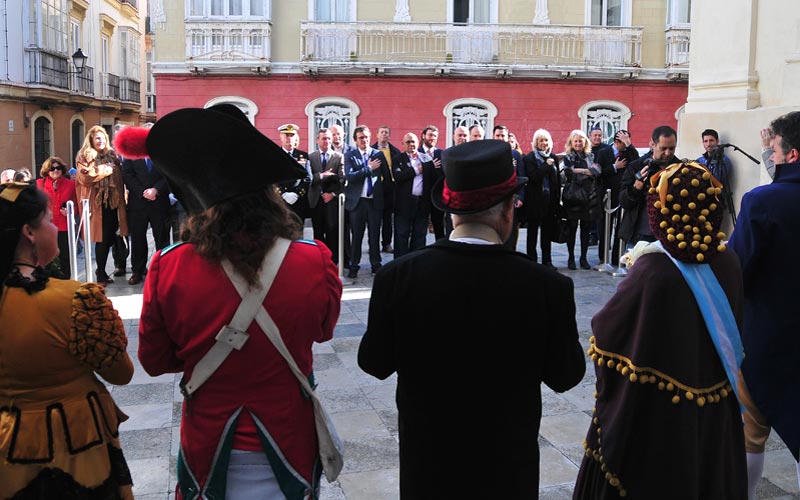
58	423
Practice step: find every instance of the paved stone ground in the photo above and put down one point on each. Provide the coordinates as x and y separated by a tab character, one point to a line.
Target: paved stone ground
364	411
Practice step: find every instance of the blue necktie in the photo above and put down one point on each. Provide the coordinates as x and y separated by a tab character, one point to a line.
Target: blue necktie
369	177
324	161
149	164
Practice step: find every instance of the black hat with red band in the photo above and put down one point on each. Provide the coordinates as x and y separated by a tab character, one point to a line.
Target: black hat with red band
478	175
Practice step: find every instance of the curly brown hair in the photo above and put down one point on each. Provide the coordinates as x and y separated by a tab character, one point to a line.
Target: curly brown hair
242	230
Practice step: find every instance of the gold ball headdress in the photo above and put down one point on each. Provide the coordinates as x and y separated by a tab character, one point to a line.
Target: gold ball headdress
685	211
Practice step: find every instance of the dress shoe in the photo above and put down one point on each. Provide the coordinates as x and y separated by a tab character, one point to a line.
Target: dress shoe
571	264
550	265
119	271
102	277
375	268
387	249
585	263
352	273
135	279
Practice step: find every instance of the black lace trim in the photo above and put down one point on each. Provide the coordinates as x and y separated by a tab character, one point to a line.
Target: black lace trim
55	483
37	284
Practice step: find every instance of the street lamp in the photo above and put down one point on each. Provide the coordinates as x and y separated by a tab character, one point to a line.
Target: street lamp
79	60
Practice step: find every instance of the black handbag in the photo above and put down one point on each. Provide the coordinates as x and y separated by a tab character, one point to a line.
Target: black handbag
574	195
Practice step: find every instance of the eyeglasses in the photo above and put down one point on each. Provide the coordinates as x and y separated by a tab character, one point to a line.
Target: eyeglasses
62	168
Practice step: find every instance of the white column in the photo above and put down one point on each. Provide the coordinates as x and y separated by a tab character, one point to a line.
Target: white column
401	12
541	16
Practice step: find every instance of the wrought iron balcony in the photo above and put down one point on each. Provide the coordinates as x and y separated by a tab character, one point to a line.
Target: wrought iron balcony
47	68
130	90
83	82
228	42
132	3
678	42
442	45
110	83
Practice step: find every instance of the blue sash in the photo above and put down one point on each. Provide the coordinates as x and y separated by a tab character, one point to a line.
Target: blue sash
717	314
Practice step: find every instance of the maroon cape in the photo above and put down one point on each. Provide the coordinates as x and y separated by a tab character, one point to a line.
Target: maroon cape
666	423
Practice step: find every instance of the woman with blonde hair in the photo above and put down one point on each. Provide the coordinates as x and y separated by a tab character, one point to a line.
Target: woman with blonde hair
579	196
99	179
542	203
60	189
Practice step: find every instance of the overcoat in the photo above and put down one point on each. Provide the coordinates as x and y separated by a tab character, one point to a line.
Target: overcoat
98	187
471	331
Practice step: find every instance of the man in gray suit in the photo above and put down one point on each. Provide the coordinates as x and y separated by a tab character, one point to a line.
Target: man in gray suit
327	179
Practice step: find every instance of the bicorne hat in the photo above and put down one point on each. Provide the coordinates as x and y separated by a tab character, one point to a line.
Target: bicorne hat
209	155
478	175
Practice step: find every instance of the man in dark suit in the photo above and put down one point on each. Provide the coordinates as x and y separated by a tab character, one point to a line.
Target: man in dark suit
148	203
429	137
465	383
389	151
367	174
294	192
327	178
414	176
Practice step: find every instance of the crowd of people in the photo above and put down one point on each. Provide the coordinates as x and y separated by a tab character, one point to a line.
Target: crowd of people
695	354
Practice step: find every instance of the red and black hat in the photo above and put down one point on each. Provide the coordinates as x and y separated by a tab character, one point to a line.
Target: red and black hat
478	175
209	155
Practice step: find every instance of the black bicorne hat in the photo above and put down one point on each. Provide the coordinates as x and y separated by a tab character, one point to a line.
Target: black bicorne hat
478	175
215	154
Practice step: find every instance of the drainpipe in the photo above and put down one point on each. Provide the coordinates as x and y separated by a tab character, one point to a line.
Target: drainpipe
5	26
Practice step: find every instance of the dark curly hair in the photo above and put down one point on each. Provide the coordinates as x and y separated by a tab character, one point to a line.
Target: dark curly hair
242	230
28	208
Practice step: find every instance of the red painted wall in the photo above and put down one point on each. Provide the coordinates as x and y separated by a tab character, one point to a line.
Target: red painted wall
409	104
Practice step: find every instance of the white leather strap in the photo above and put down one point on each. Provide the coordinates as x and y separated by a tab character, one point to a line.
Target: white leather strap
234	335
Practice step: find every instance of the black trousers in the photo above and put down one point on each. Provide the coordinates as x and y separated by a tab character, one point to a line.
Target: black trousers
546	223
138	221
410	228
325	221
386	227
573	228
614	243
63	254
366	216
109	236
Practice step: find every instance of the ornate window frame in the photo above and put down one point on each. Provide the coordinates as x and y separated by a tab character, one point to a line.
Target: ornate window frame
614	116
330	104
247	106
77	117
449	114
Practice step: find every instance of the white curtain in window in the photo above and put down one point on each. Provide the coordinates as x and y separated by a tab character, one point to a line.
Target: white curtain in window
606	12
217	7
196	8
234	7
480	11
258	8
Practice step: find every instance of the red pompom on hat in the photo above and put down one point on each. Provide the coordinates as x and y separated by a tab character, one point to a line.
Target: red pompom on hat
130	142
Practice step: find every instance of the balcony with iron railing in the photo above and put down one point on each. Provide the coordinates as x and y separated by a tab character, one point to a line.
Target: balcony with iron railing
47	68
130	90
82	82
110	86
335	46
677	59
228	43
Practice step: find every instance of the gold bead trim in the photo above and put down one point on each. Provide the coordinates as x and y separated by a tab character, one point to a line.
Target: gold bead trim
597	455
644	375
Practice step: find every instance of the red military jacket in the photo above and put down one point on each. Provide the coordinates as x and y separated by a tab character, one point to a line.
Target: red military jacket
252	402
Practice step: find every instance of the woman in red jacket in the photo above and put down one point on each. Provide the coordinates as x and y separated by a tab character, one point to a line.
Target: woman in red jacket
60	189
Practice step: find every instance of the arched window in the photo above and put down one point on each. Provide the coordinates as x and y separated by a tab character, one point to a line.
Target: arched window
77	132
468	112
327	111
247	106
42	139
610	116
